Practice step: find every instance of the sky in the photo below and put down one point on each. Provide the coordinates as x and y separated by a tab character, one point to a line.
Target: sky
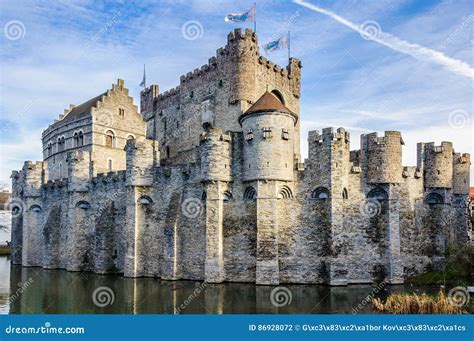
367	65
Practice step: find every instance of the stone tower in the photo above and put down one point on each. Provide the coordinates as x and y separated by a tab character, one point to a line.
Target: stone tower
268	165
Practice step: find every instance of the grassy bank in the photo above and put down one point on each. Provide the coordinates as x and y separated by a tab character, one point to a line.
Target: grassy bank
458	271
4	250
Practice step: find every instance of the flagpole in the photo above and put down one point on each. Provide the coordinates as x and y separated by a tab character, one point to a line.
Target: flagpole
144	76
255	17
289	51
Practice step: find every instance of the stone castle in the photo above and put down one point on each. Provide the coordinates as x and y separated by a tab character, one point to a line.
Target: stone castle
206	182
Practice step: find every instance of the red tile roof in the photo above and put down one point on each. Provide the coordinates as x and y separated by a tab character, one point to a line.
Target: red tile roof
267	103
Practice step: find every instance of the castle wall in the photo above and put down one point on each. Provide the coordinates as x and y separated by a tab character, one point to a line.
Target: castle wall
185	204
217	93
268	151
114	111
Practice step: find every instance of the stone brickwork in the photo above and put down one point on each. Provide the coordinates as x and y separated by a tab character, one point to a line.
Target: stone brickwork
215	189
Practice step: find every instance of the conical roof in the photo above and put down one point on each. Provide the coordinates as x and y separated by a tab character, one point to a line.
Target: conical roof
267	102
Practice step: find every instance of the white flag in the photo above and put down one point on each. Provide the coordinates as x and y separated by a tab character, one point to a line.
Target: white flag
241	17
277	44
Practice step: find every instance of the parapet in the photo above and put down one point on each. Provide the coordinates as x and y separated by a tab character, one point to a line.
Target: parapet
142	156
216	155
33	178
438	164
328	136
79	170
382	157
461	173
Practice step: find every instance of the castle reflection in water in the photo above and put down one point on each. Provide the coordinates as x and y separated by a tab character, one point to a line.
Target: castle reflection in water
62	292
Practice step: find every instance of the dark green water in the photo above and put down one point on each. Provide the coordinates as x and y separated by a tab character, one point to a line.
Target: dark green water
36	291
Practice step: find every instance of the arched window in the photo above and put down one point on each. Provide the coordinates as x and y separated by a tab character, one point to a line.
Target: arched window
250	193
110	165
377	194
145	200
434	198
60	170
320	193
75	139
228	196
49	150
278	95
80	139
345	195
167	152
36	208
83	205
61	143
109	139
285	193
204	195
130	137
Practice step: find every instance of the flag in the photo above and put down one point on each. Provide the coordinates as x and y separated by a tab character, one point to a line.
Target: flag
143	83
277	44
241	17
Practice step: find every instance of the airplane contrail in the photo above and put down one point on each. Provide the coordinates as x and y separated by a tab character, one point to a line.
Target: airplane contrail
417	51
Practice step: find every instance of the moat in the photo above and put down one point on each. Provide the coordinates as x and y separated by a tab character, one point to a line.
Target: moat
39	291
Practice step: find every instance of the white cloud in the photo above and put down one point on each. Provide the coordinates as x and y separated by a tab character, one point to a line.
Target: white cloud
419	52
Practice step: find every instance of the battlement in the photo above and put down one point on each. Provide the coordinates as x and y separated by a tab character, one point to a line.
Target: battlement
461	173
33	165
382	157
241	48
248	34
216	156
141	157
328	135
437	162
444	147
109	177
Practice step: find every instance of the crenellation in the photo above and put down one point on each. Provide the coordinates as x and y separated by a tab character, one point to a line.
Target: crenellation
206	183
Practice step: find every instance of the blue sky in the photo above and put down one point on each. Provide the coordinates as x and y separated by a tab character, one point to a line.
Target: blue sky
414	76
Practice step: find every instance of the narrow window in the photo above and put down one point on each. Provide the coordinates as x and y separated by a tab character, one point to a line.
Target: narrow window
109	139
267	133
249	135
110	165
81	138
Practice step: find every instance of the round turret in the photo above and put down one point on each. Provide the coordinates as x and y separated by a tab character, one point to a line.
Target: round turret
269	140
